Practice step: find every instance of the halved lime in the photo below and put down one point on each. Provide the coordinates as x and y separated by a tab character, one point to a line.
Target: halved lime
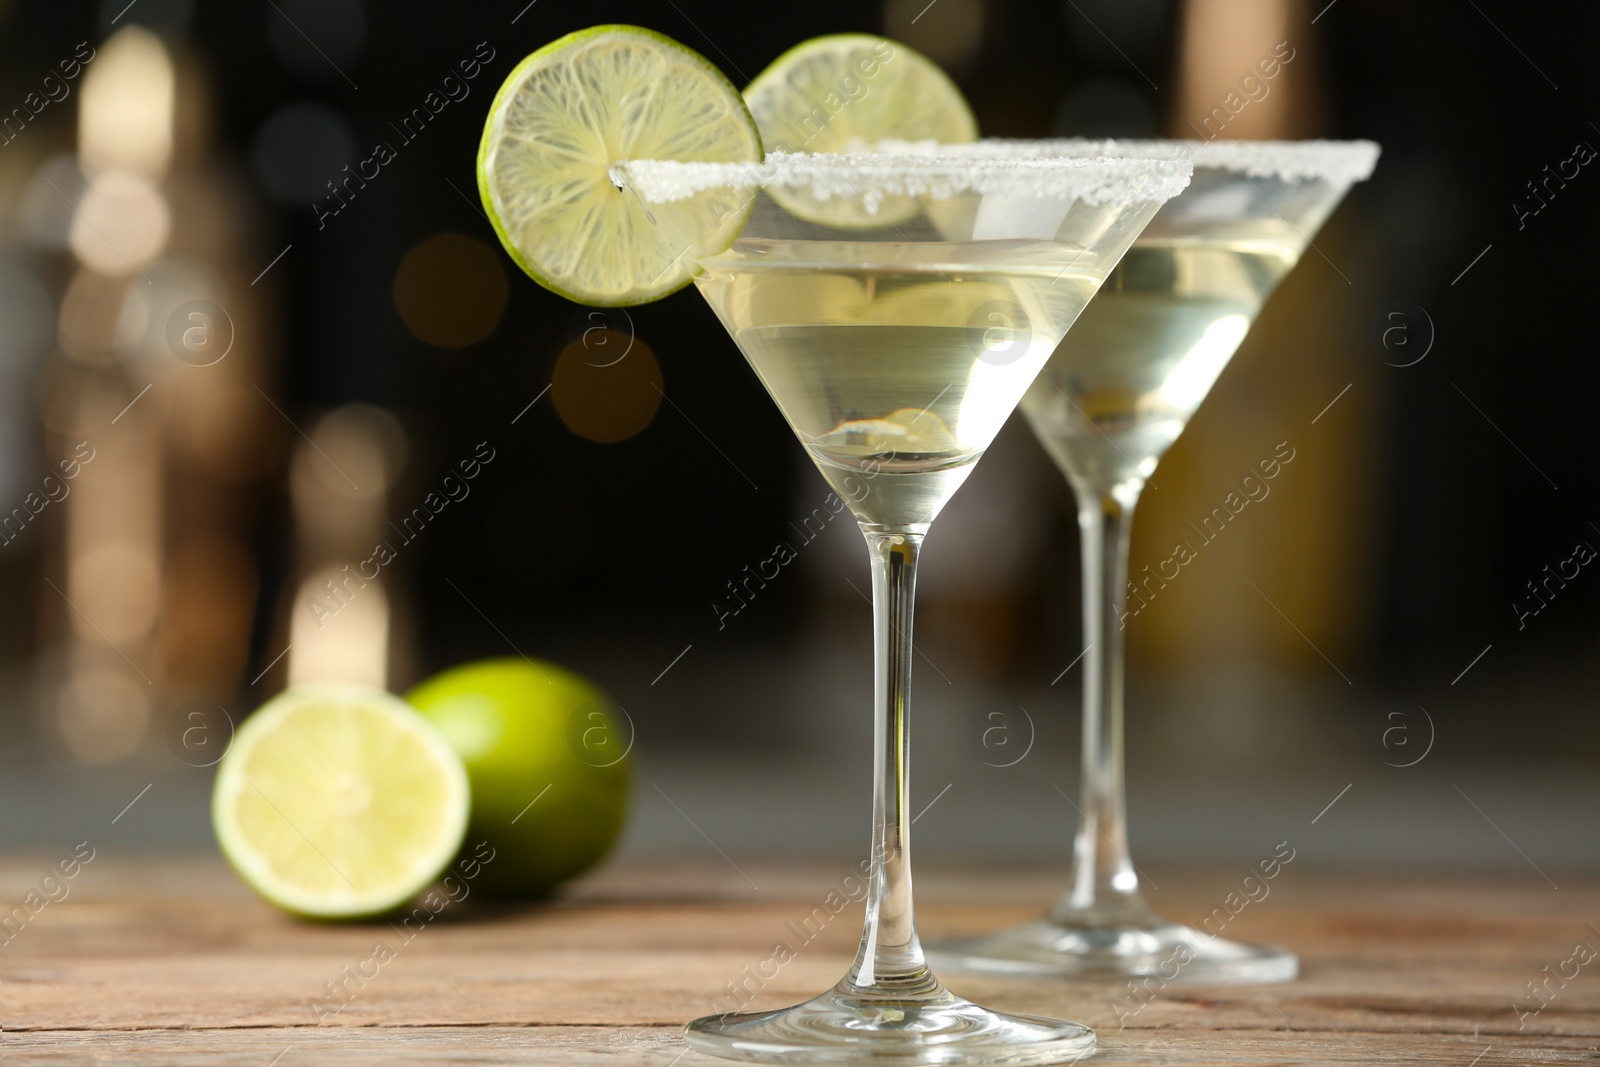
852	90
339	801
564	117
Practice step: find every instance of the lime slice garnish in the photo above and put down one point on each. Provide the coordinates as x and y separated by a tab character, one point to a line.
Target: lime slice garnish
570	111
849	91
338	801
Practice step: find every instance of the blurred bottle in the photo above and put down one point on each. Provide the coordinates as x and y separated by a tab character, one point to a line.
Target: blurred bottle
160	361
345	620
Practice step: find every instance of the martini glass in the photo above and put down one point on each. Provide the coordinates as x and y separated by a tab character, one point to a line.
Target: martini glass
1109	403
896	308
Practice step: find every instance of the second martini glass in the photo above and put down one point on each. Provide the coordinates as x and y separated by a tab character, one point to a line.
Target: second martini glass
1112	398
896	308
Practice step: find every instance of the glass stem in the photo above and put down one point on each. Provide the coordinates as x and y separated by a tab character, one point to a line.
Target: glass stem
1105	885
890	961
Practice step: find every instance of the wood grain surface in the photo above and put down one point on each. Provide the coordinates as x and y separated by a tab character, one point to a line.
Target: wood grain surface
170	960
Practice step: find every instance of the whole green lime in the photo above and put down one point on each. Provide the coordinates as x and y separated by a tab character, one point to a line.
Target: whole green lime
546	753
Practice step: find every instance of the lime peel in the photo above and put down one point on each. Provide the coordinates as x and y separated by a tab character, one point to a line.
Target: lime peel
547	754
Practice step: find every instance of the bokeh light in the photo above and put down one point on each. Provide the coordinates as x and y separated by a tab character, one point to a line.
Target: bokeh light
103	714
450	290
117	585
1220	43
298	150
357	452
339	482
125	116
600	396
339	630
122	223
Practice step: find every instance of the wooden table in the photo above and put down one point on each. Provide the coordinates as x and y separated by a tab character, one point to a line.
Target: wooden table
170	961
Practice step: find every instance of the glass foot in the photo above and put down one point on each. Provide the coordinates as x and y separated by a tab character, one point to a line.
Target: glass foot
842	1026
1166	951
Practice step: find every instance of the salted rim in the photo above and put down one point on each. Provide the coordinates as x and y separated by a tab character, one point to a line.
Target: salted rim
938	175
1335	162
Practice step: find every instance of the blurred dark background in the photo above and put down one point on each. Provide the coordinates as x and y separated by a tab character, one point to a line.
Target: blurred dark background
375	337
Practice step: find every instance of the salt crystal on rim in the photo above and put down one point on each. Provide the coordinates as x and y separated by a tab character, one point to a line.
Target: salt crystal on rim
872	175
1335	162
